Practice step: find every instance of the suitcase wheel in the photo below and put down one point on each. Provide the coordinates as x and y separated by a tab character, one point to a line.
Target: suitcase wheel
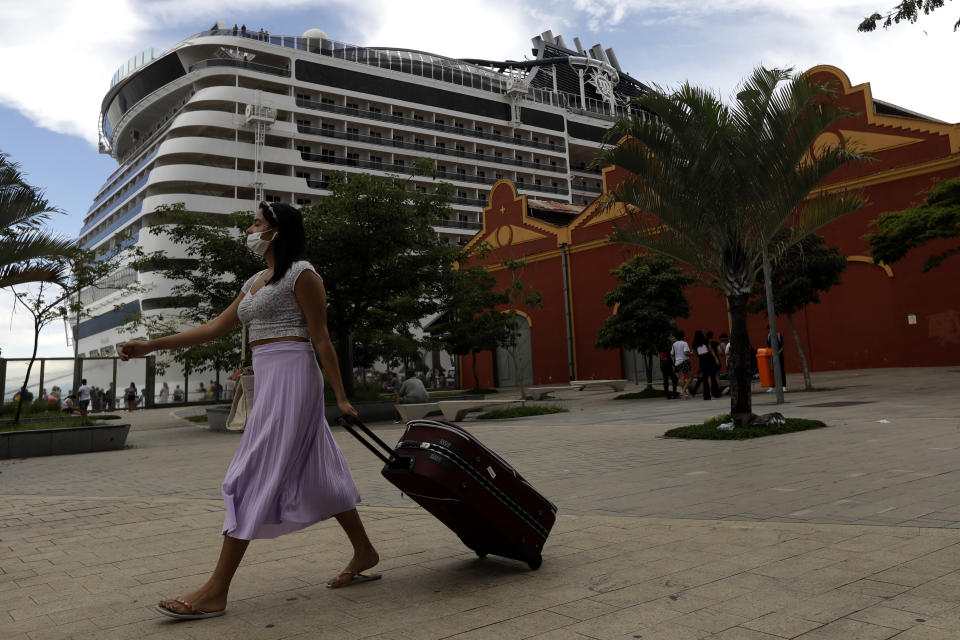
535	563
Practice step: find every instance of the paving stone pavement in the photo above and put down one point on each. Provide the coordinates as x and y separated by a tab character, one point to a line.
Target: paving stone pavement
842	533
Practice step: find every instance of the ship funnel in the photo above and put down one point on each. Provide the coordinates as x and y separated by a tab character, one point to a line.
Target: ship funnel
612	57
596	52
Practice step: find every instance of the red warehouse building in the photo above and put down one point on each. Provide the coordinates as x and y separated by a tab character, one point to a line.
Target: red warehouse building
880	316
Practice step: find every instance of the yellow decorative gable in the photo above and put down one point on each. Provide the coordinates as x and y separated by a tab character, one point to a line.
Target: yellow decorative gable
510	234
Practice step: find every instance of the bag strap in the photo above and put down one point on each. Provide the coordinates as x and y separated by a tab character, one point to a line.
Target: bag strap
243	345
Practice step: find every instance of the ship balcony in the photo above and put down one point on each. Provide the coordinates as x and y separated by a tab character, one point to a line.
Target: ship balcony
389	167
426	148
423	124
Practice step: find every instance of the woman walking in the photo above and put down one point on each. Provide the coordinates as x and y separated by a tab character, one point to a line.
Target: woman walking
288	472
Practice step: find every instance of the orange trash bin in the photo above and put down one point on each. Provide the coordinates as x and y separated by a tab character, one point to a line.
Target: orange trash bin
765	366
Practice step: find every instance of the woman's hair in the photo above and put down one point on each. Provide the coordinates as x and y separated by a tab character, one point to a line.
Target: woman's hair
289	244
699	339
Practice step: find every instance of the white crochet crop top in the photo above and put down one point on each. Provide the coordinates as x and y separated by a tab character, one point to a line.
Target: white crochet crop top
273	311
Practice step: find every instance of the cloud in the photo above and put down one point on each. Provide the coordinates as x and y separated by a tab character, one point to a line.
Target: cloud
716	44
16	332
60	56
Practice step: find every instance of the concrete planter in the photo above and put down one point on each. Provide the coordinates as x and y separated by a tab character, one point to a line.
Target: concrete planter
217	418
55	442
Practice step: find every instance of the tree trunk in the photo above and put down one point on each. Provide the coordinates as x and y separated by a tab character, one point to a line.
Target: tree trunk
26	380
346	361
807	384
741	366
476	378
648	362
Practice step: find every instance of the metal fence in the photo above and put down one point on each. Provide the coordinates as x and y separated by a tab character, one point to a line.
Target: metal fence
53	379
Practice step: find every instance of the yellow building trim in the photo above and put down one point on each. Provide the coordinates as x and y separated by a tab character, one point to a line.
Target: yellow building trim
889	175
952	131
529	259
869	260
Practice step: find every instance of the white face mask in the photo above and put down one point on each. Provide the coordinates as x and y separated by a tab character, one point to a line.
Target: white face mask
257	244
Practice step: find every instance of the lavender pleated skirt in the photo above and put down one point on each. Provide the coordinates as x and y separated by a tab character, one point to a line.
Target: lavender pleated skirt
288	472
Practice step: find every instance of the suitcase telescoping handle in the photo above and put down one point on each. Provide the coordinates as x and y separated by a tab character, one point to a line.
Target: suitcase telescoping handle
348	422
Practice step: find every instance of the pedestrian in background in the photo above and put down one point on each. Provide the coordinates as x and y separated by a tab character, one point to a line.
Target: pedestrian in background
680	351
667	372
708	365
131	397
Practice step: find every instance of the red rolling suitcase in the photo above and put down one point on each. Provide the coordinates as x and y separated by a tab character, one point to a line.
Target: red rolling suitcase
466	486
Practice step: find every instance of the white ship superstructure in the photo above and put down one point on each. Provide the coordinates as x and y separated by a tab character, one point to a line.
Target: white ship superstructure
224	119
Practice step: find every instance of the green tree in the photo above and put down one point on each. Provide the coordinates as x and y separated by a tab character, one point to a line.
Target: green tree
650	295
372	240
205	283
470	321
520	297
710	185
28	253
84	270
938	217
799	276
906	11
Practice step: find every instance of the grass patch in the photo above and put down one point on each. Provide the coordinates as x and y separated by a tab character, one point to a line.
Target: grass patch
814	389
649	392
708	430
201	418
61	423
479	390
519	412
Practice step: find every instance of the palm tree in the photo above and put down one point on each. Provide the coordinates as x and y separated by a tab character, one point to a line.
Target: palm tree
710	185
28	253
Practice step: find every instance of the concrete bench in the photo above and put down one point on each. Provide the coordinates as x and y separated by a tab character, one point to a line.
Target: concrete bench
616	385
456	410
416	410
538	393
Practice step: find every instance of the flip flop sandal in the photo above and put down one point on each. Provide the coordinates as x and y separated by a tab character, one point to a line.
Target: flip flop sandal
355	578
197	615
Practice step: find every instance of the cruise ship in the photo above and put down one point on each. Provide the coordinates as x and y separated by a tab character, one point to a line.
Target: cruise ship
227	118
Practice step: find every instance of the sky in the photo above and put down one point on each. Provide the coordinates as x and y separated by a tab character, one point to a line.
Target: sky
59	56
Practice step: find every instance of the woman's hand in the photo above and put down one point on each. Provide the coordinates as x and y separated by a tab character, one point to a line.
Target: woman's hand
134	349
346	408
